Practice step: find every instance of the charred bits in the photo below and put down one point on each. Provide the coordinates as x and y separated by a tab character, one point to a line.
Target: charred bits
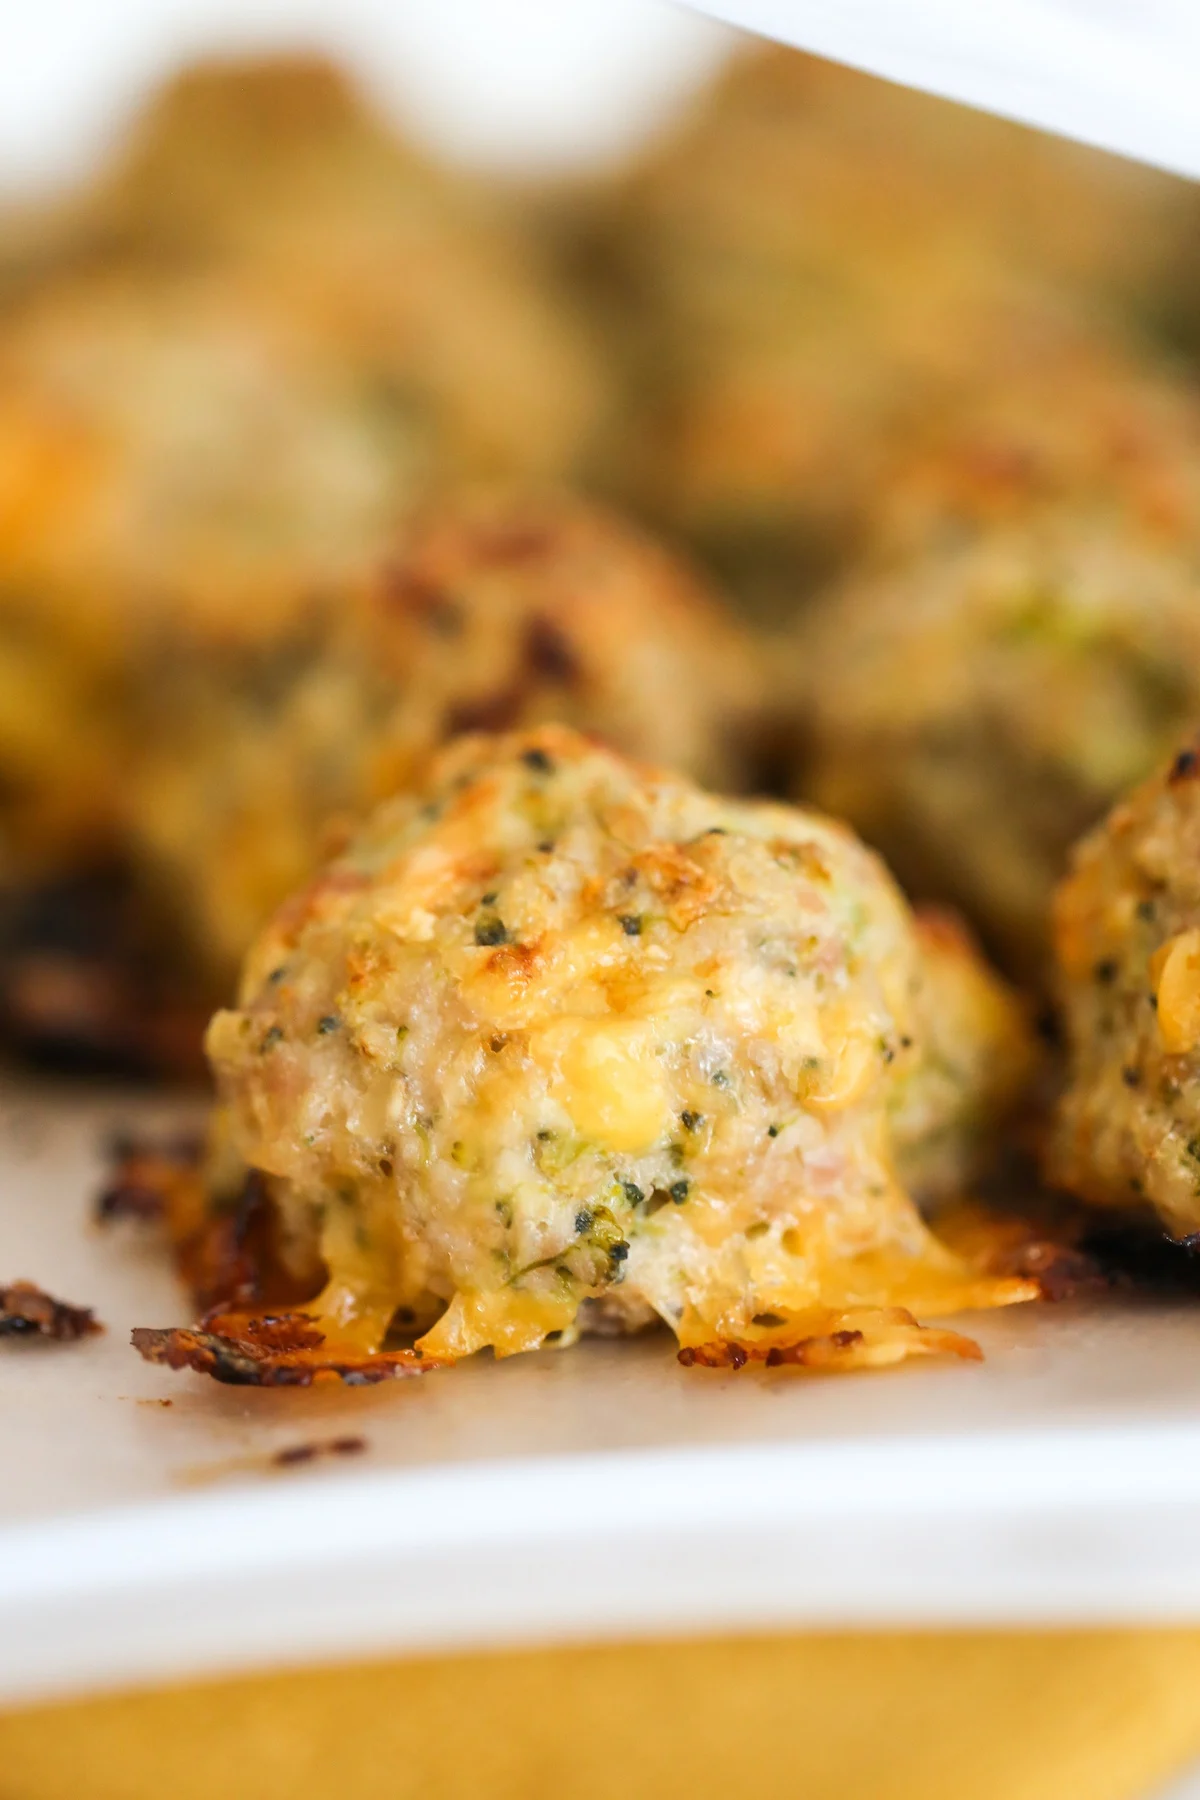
27	1311
550	655
1185	766
294	1455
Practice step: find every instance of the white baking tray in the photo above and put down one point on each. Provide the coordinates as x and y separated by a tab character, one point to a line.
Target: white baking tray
580	1494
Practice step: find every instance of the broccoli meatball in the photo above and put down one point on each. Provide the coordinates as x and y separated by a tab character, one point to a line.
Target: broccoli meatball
209	451
492	609
164	452
974	708
561	1042
1127	943
809	267
295	329
430	279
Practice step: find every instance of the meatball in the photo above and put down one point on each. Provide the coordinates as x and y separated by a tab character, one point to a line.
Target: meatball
807	269
564	1043
237	151
281	327
430	279
211	450
977	1065
181	449
974	708
492	609
1127	943
227	153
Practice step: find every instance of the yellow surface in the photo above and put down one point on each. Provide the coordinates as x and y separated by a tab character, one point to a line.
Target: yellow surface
1098	1716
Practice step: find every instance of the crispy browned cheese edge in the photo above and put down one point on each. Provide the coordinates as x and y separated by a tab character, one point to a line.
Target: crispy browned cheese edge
884	1335
273	1350
225	1255
1049	1245
28	1311
1048	1250
252	1333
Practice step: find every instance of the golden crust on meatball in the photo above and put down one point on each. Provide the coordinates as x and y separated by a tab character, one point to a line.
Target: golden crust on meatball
975	708
1127	941
561	1042
491	610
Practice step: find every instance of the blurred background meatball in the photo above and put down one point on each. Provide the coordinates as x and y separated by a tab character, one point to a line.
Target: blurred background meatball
1100	428
492	609
975	709
1019	640
816	259
292	337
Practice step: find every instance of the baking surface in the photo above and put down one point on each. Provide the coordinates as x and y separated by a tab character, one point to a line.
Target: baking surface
1047	1368
564	1494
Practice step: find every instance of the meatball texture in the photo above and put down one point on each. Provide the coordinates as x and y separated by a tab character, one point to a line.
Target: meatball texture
561	1043
493	609
1127	942
975	707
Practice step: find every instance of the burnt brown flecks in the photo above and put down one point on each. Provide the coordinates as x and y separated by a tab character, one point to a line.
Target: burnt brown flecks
294	1455
272	1350
426	600
550	655
27	1311
516	542
142	1171
1185	767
